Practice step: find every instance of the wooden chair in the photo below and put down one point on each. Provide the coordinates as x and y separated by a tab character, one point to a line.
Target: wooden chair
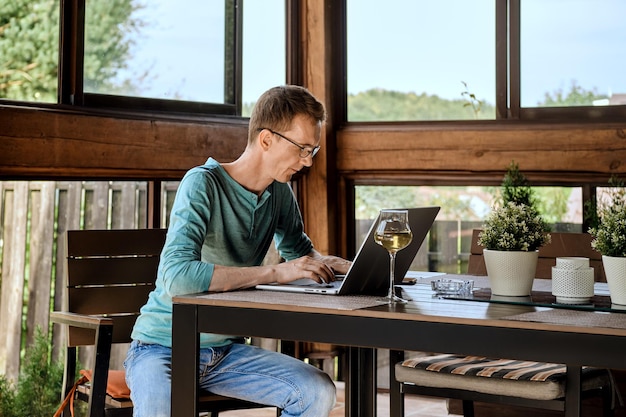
109	275
408	377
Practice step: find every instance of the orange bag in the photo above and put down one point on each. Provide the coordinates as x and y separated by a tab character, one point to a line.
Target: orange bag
116	388
116	384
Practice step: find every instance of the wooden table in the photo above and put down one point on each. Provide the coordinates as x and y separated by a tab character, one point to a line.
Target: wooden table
428	323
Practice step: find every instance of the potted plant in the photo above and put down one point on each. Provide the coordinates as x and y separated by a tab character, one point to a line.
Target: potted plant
609	238
514	227
512	235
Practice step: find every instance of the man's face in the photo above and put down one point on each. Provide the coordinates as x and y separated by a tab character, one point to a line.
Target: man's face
289	146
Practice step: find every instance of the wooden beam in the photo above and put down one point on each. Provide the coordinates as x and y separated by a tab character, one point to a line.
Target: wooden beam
319	184
564	150
47	144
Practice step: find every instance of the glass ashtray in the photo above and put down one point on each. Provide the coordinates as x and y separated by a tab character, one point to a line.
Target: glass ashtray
453	286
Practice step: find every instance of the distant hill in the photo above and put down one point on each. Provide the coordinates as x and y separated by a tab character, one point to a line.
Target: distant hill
384	105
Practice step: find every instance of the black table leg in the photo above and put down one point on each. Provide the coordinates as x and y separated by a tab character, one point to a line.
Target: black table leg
573	390
361	382
396	397
185	361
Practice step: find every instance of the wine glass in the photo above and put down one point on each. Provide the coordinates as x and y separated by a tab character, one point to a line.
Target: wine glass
393	233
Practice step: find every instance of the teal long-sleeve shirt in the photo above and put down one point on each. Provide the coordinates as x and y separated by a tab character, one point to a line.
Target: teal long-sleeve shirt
214	220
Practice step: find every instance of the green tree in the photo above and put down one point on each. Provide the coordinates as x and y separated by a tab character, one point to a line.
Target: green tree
29	49
29	45
37	393
108	44
576	96
457	201
516	188
550	202
384	105
369	200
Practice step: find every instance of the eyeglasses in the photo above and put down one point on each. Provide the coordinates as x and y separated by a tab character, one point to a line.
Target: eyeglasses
305	151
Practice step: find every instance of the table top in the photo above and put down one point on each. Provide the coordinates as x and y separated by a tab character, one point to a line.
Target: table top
426	306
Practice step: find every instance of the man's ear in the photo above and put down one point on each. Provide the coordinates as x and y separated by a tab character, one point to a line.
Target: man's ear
265	139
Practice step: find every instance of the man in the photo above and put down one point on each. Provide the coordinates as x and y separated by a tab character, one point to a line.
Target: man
222	223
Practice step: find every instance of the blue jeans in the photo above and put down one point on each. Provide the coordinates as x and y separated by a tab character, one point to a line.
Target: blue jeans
239	371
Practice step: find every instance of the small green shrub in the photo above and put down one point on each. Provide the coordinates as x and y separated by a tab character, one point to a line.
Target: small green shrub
7	398
516	187
609	232
38	390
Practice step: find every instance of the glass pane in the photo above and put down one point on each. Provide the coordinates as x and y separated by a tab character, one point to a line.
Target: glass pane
463	209
573	53
29	47
160	49
421	60
264	62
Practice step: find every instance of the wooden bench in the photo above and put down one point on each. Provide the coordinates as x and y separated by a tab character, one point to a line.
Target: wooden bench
109	276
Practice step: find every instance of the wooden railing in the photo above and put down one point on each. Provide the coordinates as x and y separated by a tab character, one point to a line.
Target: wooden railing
33	219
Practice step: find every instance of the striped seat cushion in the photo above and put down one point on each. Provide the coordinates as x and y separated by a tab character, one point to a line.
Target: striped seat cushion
525	379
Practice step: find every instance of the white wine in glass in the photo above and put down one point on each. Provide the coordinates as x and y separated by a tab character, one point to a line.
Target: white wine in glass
393	233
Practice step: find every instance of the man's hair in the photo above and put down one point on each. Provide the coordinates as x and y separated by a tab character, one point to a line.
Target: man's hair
277	107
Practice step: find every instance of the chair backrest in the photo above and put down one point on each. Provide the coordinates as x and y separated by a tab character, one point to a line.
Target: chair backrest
110	273
562	244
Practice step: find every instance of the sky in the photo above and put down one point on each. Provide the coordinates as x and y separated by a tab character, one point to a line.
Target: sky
397	45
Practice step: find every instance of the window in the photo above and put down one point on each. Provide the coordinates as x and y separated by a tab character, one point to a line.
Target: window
485	59
166	56
572	53
447	247
181	56
264	49
404	63
185	56
162	49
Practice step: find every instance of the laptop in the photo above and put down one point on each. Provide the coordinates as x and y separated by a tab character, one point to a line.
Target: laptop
369	273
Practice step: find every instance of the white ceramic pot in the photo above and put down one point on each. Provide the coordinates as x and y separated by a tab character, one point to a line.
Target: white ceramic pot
511	273
572	286
615	271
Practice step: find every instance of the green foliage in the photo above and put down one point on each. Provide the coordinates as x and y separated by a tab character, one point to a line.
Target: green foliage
39	384
383	105
7	398
29	39
472	100
459	202
516	188
609	234
552	202
29	49
371	199
576	96
108	44
517	224
514	227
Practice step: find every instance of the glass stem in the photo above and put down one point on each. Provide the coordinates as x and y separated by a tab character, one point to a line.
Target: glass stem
392	266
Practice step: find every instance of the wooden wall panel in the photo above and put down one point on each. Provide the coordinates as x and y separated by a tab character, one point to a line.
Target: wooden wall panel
562	149
37	143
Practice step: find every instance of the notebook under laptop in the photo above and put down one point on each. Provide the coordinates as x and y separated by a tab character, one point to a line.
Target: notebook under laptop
369	273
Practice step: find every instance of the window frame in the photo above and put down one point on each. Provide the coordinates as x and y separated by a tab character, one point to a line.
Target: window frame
71	66
508	107
508	78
